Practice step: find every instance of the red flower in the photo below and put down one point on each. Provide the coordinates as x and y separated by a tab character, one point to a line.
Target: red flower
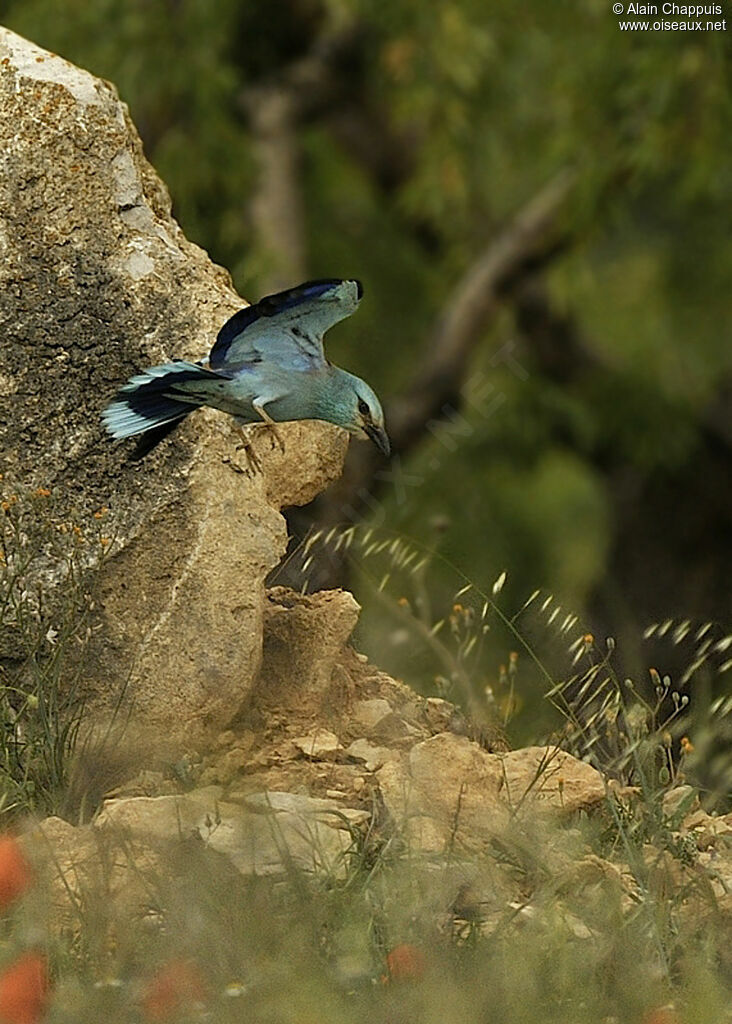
405	962
15	871
174	987
24	990
661	1015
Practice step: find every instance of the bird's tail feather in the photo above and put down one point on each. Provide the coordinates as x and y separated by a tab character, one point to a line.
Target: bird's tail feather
145	403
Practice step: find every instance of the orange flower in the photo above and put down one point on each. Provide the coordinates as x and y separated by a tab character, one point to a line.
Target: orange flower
42	492
24	990
662	1015
15	872
405	962
177	984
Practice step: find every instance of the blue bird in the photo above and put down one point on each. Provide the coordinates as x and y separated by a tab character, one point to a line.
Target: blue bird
267	365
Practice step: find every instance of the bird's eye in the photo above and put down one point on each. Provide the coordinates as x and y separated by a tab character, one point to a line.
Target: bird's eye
363	407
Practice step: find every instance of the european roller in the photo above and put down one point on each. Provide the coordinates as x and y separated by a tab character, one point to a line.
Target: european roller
267	365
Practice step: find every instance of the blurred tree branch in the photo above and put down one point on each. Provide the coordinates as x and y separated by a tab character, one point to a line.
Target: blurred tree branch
274	110
324	83
530	240
276	205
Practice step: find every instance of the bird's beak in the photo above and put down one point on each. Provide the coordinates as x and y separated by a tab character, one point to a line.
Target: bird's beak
380	438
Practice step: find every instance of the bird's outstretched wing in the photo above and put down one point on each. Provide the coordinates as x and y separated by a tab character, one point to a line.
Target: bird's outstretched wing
286	328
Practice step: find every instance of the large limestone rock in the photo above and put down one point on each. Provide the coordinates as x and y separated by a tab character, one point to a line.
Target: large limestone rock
447	791
260	833
97	281
304	637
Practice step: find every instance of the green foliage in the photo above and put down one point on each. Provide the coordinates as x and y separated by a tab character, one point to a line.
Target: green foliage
529	666
45	615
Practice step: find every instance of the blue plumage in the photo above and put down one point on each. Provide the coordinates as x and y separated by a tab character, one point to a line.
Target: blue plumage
304	297
152	398
267	364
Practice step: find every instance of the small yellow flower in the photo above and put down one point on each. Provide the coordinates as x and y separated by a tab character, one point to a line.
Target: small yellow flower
42	492
588	639
457	608
101	512
104	541
403	602
513	657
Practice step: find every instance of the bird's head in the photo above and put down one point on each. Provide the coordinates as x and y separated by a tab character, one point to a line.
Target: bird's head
360	411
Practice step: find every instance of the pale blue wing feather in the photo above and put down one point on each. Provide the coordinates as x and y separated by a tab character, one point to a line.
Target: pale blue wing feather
287	328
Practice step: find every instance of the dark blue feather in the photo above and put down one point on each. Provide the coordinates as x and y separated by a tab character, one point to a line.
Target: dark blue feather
149	399
149	403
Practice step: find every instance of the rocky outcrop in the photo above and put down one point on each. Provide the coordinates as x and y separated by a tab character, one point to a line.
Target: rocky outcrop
97	281
329	752
442	804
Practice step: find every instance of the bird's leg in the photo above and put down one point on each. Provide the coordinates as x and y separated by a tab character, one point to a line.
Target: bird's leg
259	408
255	466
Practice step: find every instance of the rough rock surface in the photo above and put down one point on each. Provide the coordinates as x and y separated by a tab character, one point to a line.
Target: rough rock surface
98	281
464	808
260	833
448	791
550	779
304	637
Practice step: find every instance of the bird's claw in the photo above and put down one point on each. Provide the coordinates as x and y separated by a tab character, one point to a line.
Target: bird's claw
253	463
276	438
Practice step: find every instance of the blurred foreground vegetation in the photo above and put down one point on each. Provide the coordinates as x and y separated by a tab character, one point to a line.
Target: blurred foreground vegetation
398	938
